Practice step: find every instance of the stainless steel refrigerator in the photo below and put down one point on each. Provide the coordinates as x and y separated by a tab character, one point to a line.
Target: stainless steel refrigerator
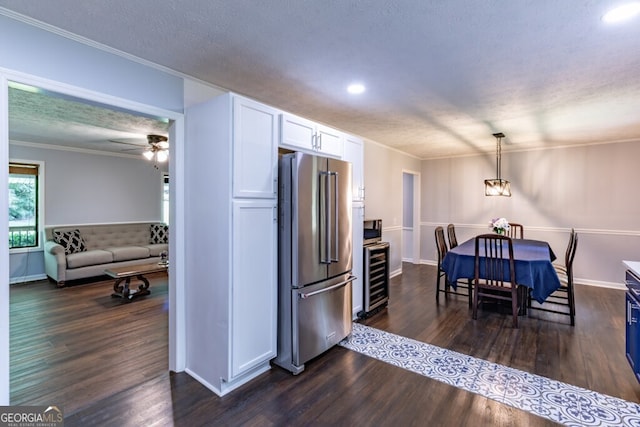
315	257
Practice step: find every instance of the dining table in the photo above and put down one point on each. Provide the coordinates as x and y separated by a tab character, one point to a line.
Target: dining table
532	262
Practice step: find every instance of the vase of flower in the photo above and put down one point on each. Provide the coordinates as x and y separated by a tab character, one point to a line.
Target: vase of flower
499	226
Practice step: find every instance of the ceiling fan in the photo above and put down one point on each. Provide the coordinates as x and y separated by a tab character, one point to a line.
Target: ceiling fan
157	148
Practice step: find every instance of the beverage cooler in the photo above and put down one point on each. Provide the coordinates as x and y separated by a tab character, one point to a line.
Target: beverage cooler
632	299
375	273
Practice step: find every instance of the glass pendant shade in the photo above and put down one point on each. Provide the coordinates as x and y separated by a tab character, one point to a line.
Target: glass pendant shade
162	156
497	186
148	155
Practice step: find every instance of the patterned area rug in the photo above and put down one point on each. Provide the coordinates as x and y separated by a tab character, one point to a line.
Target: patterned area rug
550	399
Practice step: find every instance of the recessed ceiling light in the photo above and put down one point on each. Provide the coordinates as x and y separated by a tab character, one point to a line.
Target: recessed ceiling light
622	13
356	88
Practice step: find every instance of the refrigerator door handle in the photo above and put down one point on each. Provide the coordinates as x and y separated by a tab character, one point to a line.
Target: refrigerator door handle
336	225
330	288
325	220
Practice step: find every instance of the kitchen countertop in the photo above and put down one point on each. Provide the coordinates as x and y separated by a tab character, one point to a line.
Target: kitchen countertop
634	266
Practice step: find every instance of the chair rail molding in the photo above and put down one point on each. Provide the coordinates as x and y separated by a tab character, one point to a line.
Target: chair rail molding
602	231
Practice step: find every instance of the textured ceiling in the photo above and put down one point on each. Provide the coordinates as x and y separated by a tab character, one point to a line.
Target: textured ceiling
49	118
442	76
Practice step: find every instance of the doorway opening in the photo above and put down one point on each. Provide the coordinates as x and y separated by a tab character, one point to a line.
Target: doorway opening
411	217
174	128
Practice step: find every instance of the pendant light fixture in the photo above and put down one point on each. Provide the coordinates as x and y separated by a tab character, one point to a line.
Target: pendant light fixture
497	186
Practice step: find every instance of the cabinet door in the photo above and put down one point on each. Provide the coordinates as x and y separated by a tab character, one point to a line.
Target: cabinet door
329	141
254	285
255	149
357	285
297	132
354	153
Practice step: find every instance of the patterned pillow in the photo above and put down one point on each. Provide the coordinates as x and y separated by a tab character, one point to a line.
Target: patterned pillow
159	234
72	241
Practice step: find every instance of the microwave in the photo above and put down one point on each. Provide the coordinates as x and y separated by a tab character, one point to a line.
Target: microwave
372	231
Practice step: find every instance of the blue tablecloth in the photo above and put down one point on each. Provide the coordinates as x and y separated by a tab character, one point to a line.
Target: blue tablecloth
532	264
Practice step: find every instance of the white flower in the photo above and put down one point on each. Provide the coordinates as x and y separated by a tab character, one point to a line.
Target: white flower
499	225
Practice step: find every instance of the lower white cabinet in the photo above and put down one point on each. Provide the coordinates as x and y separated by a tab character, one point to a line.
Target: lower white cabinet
357	266
254	284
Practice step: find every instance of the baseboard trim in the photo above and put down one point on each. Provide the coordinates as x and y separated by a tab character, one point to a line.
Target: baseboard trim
600	284
395	273
25	279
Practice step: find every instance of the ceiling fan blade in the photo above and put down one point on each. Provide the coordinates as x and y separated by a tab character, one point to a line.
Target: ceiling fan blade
116	141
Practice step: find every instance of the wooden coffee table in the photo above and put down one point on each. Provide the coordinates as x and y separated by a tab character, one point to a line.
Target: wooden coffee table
126	273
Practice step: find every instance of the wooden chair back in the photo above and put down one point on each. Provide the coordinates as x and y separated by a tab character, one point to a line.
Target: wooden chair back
570	254
516	231
451	232
441	244
494	272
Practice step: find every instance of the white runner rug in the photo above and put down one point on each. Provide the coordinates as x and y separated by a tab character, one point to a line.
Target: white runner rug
547	398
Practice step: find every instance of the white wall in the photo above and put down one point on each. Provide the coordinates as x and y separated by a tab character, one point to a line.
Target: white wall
82	188
591	188
41	53
383	177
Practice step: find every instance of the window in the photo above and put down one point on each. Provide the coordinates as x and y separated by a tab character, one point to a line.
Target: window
165	199
24	205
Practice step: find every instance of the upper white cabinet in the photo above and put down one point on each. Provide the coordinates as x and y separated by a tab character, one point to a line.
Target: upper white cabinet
255	149
304	135
329	141
354	153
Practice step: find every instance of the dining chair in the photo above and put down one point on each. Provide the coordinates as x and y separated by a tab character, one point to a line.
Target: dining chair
451	233
563	296
447	289
494	272
441	246
516	231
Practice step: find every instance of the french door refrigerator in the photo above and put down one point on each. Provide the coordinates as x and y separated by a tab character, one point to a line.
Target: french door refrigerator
315	257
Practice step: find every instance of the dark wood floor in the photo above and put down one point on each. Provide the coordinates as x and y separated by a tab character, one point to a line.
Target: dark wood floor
77	345
339	388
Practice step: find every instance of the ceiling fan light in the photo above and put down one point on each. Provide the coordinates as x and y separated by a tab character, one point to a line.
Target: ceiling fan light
162	156
148	155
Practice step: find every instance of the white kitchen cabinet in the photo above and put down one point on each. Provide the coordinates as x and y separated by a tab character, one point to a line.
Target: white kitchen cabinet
255	149
231	240
357	288
354	153
254	295
300	134
330	141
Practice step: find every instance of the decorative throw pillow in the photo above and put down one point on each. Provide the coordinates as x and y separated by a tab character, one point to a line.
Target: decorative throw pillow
71	241
159	234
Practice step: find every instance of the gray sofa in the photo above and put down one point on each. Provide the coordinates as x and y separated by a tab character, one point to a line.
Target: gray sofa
77	252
